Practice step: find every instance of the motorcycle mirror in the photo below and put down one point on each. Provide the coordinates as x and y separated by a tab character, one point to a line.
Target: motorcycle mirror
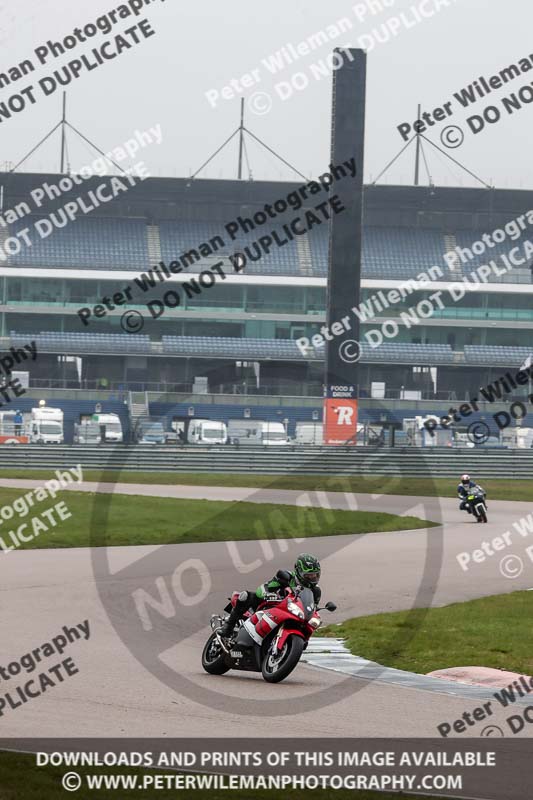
283	576
330	606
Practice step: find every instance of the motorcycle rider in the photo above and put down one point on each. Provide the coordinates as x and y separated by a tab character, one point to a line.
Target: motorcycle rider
306	574
464	489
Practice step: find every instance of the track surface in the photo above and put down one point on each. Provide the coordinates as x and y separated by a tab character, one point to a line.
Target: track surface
114	695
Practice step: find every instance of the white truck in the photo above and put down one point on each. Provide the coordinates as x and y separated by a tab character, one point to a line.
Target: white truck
46	425
87	432
518	438
112	424
251	431
309	433
418	434
207	431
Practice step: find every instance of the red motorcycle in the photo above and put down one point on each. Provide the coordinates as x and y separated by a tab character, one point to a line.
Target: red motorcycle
270	640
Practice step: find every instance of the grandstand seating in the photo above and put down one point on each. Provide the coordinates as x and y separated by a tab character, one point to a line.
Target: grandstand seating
287	349
416	354
121	243
401	253
224	347
465	240
488	355
51	341
231	347
179	237
96	243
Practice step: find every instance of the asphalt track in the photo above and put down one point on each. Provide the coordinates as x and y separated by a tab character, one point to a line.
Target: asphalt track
115	695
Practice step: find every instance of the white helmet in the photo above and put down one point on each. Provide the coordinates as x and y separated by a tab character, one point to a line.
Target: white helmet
465	480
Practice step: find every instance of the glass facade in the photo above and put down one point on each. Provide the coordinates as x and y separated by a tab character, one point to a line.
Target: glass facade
488	311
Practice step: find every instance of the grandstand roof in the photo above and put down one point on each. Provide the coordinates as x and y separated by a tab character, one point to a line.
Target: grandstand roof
383	204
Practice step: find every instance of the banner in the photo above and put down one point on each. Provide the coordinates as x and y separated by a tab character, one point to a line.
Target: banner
340	416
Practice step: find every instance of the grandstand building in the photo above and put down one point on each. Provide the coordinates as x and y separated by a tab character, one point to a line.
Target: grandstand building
243	331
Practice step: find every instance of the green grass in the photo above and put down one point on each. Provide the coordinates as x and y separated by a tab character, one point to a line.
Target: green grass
123	520
505	489
491	632
20	779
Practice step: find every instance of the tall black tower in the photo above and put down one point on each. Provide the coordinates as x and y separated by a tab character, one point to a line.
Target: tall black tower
344	272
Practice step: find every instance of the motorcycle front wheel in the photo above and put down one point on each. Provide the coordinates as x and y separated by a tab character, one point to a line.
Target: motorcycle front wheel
213	657
277	664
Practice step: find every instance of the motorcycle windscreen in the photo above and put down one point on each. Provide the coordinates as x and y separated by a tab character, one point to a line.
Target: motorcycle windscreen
308	602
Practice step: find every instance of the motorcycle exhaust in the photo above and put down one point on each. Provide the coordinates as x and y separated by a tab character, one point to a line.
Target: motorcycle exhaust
221	642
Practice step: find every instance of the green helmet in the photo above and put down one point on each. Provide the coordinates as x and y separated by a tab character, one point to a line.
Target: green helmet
307	570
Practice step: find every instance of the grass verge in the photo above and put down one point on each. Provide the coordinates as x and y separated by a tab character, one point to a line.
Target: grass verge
132	520
505	489
20	779
488	632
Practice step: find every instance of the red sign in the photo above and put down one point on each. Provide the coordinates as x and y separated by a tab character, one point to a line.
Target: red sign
340	421
14	439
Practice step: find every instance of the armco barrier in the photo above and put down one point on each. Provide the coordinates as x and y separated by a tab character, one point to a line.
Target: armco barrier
445	462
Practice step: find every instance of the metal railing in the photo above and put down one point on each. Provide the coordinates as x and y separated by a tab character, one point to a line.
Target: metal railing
241	389
412	462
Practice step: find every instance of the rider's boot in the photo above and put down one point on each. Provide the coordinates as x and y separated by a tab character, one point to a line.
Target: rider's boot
235	615
229	625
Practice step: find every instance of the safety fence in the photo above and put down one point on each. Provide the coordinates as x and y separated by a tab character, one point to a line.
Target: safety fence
437	462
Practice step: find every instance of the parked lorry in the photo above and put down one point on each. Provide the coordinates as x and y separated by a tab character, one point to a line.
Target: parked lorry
259	432
207	431
420	435
87	432
109	424
309	433
518	438
46	425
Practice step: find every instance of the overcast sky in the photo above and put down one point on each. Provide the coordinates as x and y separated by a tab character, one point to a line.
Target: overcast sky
200	46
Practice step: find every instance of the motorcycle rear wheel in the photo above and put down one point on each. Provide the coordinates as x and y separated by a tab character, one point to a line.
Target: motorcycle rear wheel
275	668
212	657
